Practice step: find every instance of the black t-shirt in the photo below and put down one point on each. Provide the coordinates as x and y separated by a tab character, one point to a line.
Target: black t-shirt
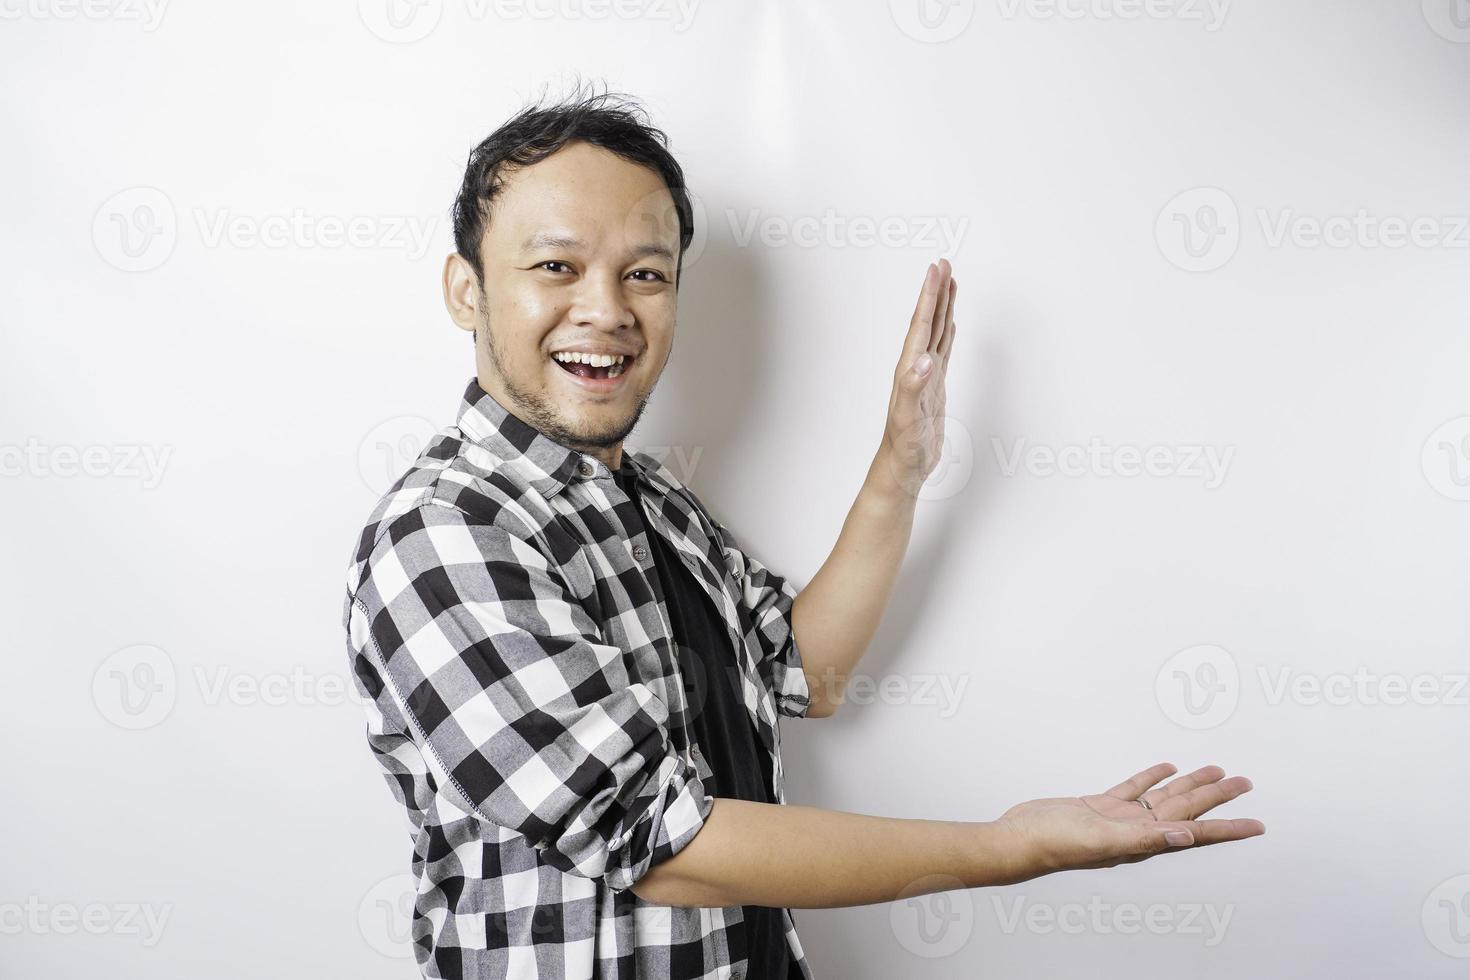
720	726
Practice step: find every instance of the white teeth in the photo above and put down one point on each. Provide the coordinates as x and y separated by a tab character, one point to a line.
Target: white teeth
596	360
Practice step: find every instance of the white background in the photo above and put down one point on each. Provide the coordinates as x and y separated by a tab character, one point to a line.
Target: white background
179	741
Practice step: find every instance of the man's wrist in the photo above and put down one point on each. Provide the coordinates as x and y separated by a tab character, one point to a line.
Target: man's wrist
889	484
999	855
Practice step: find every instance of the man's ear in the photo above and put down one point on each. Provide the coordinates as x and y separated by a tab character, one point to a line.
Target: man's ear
461	292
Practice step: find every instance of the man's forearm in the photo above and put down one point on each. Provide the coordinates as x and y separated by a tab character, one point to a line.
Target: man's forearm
835	616
786	856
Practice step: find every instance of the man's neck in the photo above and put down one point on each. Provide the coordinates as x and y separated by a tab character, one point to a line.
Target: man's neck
612	457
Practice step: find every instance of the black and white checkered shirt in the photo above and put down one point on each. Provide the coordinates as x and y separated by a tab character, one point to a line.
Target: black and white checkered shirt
525	702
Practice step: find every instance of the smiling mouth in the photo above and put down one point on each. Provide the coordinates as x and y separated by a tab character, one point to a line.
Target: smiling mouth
591	369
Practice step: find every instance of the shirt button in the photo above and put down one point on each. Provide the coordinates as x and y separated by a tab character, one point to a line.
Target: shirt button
585	468
639	552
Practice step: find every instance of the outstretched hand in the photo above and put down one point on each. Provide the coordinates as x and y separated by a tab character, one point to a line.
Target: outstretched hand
1106	829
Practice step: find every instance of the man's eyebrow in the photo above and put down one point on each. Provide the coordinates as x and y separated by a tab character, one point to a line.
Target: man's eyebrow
554	241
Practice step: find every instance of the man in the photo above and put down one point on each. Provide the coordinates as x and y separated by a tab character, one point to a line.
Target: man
575	669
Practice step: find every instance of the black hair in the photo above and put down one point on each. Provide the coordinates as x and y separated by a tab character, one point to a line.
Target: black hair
611	121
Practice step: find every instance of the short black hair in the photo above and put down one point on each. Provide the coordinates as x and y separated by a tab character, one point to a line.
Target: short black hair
612	121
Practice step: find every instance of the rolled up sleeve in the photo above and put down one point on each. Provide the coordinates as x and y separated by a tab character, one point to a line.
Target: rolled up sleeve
522	712
769	597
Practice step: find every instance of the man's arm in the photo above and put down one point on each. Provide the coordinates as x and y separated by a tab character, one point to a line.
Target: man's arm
788	856
785	856
835	616
526	718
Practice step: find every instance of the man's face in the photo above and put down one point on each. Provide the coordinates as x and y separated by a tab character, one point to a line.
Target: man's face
579	255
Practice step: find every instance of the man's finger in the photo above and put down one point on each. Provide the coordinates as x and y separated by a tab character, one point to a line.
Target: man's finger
1182	785
946	338
1207	832
910	340
922	322
1133	787
1202	799
943	292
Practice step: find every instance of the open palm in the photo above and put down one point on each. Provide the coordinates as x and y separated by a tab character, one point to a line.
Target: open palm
1106	829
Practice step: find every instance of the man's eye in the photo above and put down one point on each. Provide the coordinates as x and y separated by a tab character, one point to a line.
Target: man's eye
543	265
659	276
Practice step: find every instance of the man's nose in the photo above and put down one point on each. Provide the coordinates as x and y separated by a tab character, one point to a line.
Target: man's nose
600	303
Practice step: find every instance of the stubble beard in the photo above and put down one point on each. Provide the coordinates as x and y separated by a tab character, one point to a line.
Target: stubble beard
544	415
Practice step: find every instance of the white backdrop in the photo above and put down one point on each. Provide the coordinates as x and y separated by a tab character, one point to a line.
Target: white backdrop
1207	496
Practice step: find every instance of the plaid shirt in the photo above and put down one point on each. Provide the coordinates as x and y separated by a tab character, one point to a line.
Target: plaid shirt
525	703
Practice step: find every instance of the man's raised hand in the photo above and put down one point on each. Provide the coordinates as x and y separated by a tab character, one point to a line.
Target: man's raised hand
913	436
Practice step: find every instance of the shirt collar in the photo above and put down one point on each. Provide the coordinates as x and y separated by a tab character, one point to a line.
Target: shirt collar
544	464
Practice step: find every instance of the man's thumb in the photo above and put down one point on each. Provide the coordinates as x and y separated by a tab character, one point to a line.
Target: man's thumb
1156	839
1178	838
922	366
